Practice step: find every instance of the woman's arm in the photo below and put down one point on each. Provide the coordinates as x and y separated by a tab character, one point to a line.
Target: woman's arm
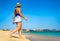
22	15
13	17
13	14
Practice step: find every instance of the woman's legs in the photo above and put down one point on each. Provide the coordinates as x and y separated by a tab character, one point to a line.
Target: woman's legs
19	31
18	28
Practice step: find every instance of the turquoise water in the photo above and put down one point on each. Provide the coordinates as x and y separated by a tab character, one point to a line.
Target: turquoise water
51	34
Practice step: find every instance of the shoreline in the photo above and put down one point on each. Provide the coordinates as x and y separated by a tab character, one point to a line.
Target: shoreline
41	38
45	36
28	37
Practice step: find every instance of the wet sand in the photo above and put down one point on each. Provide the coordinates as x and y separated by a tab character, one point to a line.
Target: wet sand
42	38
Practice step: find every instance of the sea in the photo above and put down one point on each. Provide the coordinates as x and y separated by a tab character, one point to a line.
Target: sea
49	34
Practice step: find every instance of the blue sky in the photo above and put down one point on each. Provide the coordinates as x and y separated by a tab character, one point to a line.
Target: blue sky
41	14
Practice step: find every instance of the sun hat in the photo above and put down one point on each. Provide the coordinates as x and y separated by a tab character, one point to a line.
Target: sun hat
18	4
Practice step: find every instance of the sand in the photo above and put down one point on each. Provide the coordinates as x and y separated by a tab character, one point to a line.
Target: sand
42	38
4	36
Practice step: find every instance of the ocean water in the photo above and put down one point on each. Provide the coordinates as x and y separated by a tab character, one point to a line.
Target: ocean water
51	34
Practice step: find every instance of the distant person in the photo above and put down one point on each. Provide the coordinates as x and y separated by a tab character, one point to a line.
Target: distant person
16	18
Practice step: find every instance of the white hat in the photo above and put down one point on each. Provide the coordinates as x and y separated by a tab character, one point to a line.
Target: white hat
18	4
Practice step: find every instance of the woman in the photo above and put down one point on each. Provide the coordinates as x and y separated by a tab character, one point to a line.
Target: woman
17	19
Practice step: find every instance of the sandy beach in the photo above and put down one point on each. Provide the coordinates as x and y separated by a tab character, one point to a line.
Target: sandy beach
4	36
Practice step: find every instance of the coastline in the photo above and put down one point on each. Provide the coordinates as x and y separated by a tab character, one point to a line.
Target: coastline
28	37
41	38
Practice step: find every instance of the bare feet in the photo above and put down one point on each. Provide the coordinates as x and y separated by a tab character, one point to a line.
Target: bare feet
21	37
10	34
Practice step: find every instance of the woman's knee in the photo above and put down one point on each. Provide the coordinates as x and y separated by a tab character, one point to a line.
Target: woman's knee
19	25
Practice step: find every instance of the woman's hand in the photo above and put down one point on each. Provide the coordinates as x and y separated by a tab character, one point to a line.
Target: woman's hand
25	19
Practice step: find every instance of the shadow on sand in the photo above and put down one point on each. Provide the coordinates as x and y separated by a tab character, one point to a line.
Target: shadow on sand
15	37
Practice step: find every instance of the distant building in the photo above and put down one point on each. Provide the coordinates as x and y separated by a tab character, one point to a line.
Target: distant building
27	30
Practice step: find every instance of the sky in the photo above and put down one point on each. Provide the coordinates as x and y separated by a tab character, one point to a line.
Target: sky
41	14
